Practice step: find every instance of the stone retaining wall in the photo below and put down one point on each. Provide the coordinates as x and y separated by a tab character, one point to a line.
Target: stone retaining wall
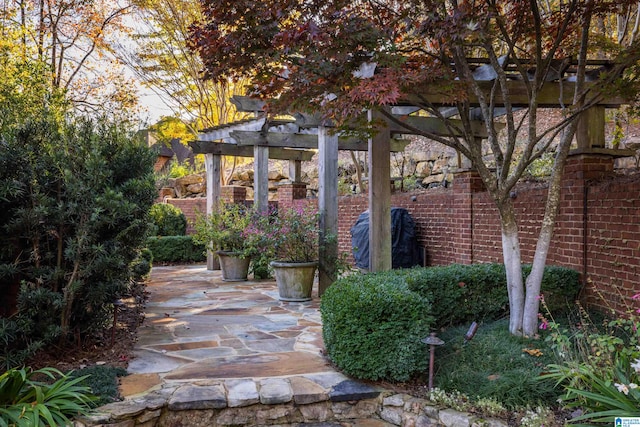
206	406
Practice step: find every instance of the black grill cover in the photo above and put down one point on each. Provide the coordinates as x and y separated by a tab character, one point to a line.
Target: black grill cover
405	252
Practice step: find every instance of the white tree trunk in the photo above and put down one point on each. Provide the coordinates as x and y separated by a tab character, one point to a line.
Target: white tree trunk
513	267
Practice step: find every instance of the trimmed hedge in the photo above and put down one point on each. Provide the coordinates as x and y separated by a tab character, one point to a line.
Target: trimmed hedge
168	220
466	293
176	249
372	326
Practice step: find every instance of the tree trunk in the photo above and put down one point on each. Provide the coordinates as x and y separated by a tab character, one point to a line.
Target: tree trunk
513	266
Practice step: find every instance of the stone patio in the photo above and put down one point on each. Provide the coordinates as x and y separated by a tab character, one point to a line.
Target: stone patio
216	353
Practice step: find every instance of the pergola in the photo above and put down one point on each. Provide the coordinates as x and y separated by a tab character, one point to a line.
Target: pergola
295	140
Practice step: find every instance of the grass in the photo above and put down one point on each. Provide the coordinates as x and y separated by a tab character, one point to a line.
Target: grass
495	365
103	382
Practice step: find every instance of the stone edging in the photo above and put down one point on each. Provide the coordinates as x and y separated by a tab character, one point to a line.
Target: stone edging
277	401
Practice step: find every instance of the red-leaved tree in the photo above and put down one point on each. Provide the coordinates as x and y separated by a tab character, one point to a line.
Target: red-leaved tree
342	57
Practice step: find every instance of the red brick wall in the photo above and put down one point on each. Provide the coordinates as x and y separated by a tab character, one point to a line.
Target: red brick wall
190	208
460	224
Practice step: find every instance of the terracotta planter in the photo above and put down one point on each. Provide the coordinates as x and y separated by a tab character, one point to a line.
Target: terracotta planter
294	279
234	268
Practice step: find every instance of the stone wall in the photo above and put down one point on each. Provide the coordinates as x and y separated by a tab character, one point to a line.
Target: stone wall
201	408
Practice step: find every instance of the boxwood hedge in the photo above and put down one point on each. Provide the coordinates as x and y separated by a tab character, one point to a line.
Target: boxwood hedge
373	324
466	293
175	249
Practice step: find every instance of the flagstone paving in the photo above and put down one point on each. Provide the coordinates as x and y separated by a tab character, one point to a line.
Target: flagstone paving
199	328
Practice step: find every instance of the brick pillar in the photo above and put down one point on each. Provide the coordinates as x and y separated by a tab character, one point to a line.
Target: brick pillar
233	194
584	167
574	209
465	183
288	192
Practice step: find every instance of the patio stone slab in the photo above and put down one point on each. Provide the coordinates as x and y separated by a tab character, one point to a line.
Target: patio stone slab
255	366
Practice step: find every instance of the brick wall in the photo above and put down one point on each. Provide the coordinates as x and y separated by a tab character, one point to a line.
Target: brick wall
190	208
460	224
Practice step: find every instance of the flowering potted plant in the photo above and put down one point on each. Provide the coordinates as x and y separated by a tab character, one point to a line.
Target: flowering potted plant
293	235
224	232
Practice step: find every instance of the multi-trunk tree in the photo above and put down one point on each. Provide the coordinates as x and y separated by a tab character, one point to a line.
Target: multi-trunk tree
342	57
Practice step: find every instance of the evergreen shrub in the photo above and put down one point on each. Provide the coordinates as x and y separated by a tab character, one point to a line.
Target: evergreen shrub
465	293
373	325
176	249
141	266
74	207
168	220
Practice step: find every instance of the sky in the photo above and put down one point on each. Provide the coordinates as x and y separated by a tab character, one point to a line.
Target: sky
154	106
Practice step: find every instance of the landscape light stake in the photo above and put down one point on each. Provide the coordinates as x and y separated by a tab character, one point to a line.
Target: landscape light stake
432	340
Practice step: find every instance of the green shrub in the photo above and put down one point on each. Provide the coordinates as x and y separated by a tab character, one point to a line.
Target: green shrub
168	220
102	381
141	266
465	293
372	327
560	286
31	328
74	205
176	249
25	401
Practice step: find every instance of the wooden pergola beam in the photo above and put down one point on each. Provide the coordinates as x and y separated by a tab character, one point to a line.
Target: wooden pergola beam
227	149
551	95
432	125
304	141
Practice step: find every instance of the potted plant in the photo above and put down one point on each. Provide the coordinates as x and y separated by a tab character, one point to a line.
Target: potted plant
293	234
224	232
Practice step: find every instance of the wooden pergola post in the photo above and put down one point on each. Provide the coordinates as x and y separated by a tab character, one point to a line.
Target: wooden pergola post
261	178
327	208
295	171
379	198
212	170
590	132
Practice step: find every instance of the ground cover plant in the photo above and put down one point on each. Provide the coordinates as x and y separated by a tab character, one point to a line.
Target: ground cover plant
494	364
102	381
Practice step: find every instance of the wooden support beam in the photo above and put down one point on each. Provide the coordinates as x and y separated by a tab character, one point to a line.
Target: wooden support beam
295	170
328	208
227	149
590	132
245	104
552	95
379	199
305	141
222	131
212	172
261	178
425	124
436	126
